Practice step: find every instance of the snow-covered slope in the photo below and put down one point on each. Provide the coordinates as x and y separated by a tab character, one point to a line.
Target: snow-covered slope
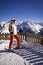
25	26
35	27
2	23
31	27
9	58
5	28
31	54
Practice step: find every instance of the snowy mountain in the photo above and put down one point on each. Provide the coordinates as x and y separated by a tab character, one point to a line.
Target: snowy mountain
2	25
24	26
30	27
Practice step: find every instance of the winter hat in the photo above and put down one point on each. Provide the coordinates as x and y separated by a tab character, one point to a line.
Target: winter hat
13	20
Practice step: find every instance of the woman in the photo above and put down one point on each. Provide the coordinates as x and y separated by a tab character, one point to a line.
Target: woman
13	33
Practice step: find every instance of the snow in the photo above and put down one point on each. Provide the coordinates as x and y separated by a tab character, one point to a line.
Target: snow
9	58
29	56
5	28
33	26
2	23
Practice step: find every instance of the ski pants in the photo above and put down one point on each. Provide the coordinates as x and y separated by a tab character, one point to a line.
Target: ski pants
11	40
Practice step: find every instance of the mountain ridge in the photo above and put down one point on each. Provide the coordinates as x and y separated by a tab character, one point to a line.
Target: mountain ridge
26	26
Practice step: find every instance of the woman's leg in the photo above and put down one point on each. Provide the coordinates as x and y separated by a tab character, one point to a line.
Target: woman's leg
18	40
11	41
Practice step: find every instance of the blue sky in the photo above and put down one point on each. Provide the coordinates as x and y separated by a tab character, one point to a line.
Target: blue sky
22	10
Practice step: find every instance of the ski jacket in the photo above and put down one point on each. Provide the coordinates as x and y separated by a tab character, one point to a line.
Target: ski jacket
13	29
